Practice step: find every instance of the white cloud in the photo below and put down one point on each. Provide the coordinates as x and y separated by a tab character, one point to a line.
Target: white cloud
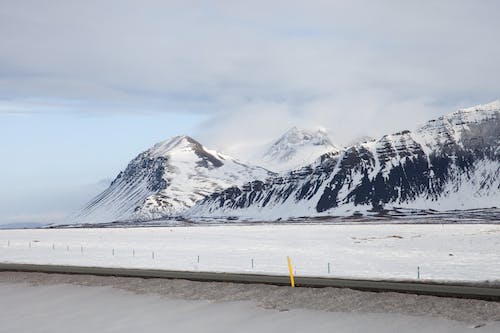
354	67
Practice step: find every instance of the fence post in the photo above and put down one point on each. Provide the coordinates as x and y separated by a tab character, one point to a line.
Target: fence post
153	255
418	272
252	263
328	268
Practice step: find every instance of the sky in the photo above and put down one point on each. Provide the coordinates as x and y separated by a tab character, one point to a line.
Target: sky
85	86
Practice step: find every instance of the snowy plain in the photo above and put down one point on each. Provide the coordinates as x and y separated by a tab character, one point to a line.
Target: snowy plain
435	252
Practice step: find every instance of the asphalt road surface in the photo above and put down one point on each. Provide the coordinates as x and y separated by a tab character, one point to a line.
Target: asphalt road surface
472	291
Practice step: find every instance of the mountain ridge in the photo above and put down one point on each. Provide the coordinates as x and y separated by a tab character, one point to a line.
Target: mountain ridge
450	162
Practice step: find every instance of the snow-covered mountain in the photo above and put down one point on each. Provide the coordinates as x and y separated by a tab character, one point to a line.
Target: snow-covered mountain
294	149
166	180
452	162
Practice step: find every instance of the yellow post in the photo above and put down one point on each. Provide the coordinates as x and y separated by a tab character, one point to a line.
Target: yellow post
292	279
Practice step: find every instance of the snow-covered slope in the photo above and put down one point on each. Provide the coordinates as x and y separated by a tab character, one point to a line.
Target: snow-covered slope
166	180
452	162
294	149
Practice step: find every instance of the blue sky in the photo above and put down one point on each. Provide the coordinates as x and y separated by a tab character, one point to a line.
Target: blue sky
85	86
53	162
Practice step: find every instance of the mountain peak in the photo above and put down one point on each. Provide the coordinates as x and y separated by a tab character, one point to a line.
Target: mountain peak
179	142
298	136
186	148
296	148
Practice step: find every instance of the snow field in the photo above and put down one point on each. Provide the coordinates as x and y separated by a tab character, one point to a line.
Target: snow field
34	308
440	252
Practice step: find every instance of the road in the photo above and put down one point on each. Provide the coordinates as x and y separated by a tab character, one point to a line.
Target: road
463	290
